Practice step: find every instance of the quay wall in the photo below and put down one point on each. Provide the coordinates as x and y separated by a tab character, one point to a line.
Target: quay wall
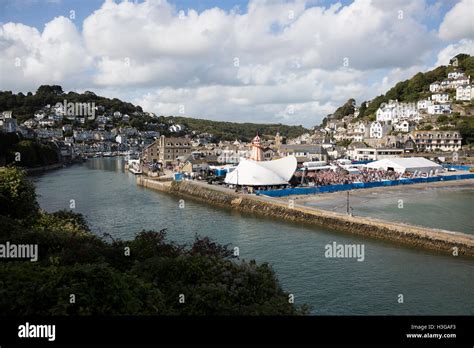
409	235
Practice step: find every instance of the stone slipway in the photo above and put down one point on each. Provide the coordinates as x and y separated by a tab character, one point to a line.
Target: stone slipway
409	235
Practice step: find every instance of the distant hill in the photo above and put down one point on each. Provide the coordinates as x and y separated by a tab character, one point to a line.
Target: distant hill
24	107
233	130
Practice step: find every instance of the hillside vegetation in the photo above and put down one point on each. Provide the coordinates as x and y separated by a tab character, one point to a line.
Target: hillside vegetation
418	87
234	130
414	89
24	107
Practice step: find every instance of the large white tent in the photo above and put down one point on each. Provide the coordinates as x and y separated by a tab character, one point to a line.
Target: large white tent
262	173
408	164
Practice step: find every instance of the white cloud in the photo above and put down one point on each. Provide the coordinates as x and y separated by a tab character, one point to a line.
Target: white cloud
464	46
458	23
243	66
30	58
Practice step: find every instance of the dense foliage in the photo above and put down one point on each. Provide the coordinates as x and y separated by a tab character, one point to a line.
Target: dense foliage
232	130
26	153
345	110
24	106
418	87
105	280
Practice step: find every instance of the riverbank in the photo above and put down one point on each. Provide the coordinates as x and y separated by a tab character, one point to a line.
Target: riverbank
44	168
414	236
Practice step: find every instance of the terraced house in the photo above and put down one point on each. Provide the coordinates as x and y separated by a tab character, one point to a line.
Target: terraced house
437	140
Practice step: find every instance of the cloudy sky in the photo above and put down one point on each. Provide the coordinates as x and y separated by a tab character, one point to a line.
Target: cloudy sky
260	61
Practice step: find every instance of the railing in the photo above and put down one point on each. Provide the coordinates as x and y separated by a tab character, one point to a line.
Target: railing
359	185
457	167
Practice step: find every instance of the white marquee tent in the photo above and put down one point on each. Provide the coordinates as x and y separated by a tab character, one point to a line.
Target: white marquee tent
262	173
408	164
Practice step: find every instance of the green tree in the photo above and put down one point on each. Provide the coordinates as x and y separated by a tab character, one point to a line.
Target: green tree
17	194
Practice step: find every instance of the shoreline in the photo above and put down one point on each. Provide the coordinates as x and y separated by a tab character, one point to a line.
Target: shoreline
443	241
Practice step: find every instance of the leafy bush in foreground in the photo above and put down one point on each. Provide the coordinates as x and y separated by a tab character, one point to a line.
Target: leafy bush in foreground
79	273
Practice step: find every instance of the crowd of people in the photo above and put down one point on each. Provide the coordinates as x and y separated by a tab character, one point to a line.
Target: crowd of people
342	176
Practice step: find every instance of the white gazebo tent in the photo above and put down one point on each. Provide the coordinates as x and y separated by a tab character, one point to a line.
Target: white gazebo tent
408	164
262	173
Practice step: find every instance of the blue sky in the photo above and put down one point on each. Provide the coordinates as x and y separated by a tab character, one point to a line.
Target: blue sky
289	61
38	12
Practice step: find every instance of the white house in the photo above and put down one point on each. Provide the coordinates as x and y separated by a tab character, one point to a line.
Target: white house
403	126
376	130
435	87
465	93
439	109
455	74
423	104
46	122
394	111
30	123
460	81
440	97
176	128
39	115
446	84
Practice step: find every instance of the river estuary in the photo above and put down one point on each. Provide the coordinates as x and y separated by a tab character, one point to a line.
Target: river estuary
431	284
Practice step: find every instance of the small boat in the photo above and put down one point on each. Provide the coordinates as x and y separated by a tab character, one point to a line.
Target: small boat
134	167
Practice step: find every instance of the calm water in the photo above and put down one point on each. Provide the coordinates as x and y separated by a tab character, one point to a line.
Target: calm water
430	283
448	208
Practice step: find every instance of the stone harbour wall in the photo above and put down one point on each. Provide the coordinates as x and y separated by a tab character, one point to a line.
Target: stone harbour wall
409	235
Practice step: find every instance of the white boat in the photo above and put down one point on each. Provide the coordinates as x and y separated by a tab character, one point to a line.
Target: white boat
134	167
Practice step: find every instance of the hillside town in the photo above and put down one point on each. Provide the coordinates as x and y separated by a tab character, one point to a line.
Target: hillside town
399	129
